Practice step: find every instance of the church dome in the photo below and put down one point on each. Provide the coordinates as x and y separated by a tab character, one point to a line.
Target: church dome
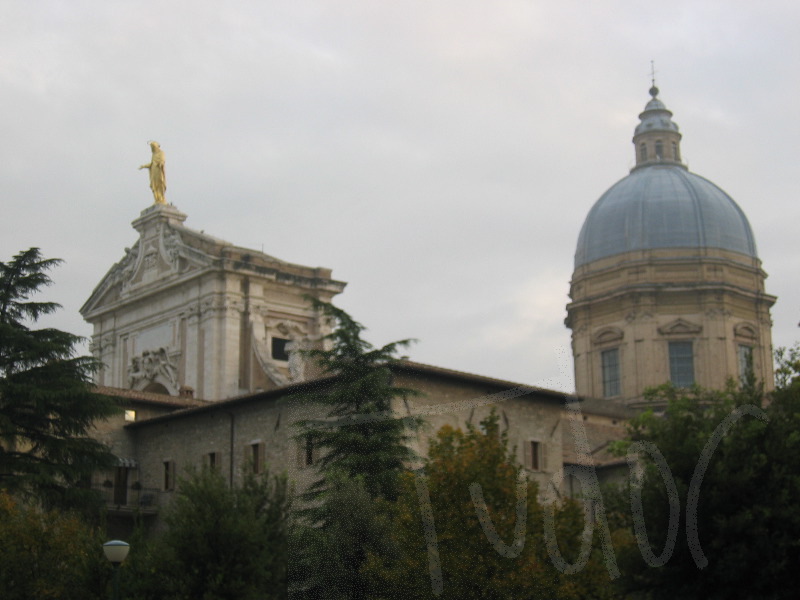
661	204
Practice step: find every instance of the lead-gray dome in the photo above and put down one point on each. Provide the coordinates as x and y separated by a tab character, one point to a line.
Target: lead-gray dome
661	204
663	207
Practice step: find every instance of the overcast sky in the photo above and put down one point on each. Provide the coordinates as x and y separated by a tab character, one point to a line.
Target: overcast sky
440	156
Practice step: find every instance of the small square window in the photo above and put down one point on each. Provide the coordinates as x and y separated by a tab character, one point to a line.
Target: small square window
130	415
279	348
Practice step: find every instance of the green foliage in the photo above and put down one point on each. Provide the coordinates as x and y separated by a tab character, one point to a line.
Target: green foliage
49	555
325	561
221	542
787	366
470	565
46	404
747	517
368	440
363	446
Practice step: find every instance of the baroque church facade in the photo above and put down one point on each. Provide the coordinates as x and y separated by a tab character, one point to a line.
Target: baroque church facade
202	339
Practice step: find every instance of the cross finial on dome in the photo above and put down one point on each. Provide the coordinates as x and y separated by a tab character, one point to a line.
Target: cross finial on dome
653	89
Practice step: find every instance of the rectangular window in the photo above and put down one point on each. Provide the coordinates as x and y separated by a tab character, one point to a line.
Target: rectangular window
535	455
744	355
535	450
309	451
681	364
130	415
610	365
213	460
256	455
169	475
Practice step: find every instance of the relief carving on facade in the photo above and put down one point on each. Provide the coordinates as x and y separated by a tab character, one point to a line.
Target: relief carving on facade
299	342
297	359
718	313
172	244
151	365
638	316
104	343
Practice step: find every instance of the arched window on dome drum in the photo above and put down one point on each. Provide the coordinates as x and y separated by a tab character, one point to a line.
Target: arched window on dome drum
675	152
643	151
659	150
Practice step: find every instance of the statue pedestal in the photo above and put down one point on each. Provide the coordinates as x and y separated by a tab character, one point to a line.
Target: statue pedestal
158	213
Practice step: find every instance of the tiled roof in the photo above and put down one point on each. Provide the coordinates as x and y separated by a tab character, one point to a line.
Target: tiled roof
148	397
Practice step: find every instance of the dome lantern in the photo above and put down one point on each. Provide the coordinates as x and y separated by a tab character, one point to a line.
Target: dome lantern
656	139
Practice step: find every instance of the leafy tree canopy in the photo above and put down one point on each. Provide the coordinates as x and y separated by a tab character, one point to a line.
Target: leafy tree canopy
47	408
468	561
735	526
49	554
787	366
220	543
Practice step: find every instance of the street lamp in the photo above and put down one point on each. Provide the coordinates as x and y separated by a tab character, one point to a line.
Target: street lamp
116	551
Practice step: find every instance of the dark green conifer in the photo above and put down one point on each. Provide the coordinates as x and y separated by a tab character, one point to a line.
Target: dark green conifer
362	433
47	407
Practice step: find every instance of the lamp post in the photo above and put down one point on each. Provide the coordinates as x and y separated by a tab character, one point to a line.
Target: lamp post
116	551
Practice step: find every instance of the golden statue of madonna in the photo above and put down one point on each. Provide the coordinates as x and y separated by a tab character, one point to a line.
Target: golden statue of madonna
158	176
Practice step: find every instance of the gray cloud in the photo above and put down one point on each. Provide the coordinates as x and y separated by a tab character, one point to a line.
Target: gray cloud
439	156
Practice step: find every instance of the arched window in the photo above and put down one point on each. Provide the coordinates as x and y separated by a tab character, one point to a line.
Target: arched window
643	152
675	152
659	149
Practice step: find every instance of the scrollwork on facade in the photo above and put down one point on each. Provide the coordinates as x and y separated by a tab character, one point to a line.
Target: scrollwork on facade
638	316
105	342
718	313
124	270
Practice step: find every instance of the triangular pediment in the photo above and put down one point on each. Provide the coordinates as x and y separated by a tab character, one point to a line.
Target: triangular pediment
680	327
153	260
